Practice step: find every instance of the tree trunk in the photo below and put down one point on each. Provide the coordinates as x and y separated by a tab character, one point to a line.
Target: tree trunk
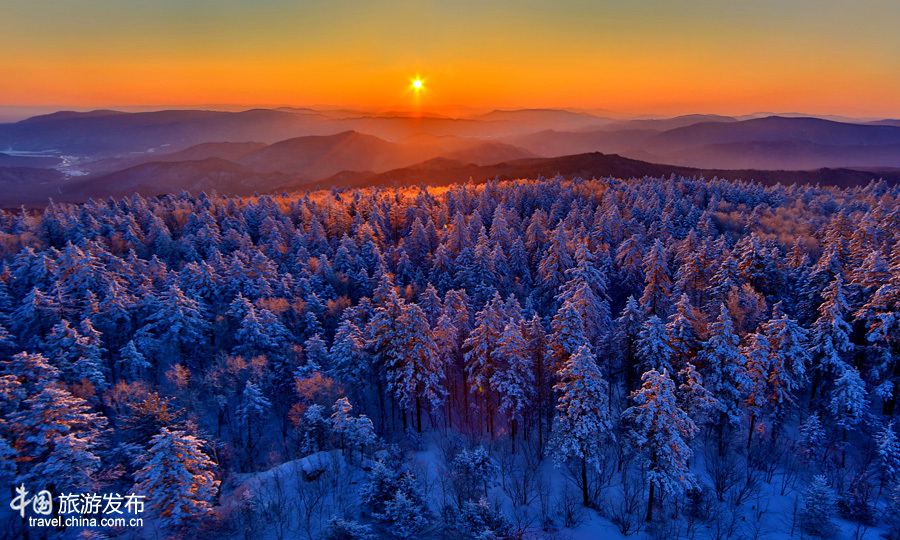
418	414
465	392
585	499
512	429
650	501
750	432
843	447
723	420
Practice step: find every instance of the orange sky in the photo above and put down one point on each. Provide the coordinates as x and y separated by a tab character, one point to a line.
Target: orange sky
822	56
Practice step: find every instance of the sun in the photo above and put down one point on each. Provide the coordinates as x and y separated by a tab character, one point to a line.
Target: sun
417	84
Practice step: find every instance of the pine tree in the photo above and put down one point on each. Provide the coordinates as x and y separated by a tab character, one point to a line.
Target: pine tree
394	498
260	332
757	360
480	351
586	290
176	323
790	356
569	332
725	371
415	372
406	517
583	418
89	364
132	364
662	432
30	371
684	331
831	331
627	332
315	354
250	412
354	433
314	429
514	377
62	347
817	509
693	397
556	260
657	297
180	476
812	436
58	437
347	359
848	400
880	316
653	348
848	404
479	519
888	448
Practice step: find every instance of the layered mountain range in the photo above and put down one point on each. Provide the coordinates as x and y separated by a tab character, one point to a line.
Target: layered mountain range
71	156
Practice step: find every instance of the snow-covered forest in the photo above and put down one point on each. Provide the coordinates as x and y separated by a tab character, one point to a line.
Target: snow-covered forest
550	358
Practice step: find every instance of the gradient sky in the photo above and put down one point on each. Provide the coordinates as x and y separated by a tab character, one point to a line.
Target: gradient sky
816	56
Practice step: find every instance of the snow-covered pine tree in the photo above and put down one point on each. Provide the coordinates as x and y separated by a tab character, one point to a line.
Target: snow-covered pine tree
480	348
514	377
569	333
817	509
583	418
653	348
626	334
586	290
757	361
132	364
831	331
724	371
790	357
693	397
662	432
888	448
353	432
251	411
415	372
849	401
657	296
348	360
180	477
57	438
684	328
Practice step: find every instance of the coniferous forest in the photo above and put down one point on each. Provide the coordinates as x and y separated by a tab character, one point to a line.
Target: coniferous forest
547	358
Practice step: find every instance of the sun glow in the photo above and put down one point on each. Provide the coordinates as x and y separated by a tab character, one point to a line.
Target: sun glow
417	84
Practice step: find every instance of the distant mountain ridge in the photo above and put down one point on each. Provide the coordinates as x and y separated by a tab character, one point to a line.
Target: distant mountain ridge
591	165
108	152
773	142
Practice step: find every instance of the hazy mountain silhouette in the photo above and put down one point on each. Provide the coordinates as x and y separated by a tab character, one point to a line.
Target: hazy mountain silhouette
589	165
762	143
165	151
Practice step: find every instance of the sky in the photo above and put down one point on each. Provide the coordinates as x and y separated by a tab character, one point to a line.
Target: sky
837	57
